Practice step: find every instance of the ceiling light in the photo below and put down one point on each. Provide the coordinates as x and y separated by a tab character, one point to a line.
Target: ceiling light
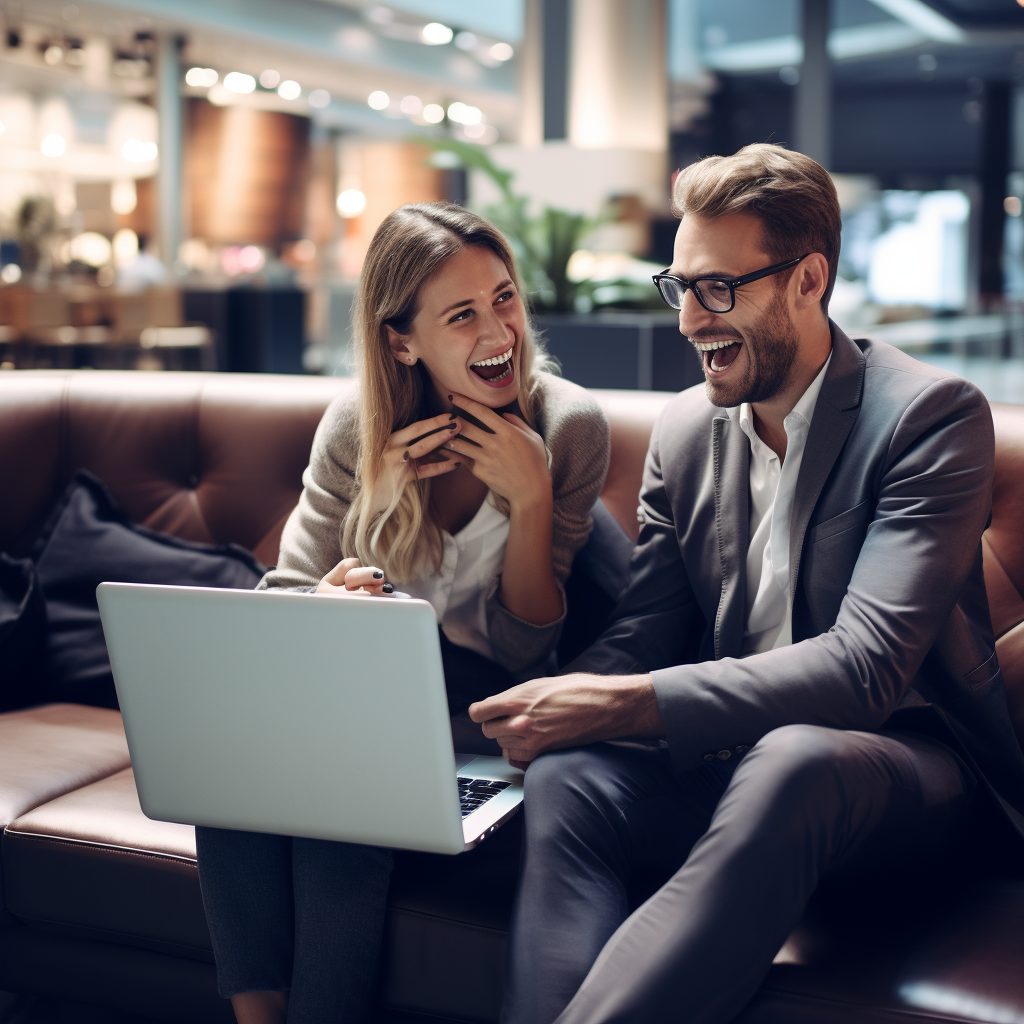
319	98
91	248
289	90
270	79
53	55
138	152
436	34
351	203
53	145
236	81
378	100
462	113
502	51
917	14
201	78
410	105
433	113
466	41
1011	204
11	274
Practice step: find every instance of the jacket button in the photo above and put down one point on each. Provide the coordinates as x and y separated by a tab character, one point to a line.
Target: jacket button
724	755
709	757
741	749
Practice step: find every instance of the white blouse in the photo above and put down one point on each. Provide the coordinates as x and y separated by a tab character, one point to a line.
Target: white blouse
472	561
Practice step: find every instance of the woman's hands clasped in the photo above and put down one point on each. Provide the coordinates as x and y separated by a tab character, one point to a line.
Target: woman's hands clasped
507	456
413	453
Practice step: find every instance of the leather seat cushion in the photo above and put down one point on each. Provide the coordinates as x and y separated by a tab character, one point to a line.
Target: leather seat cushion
53	749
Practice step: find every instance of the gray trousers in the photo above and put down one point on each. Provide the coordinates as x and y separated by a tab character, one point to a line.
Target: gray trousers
742	846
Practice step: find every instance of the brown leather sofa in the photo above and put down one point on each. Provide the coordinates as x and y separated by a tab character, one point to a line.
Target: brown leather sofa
102	905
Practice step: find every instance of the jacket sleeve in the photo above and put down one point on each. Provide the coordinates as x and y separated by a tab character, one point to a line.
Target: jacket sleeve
580	449
934	497
657	616
311	541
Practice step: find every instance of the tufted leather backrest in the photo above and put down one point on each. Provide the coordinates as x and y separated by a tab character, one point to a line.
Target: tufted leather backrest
219	457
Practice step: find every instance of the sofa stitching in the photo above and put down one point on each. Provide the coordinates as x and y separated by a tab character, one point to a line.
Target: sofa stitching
43	837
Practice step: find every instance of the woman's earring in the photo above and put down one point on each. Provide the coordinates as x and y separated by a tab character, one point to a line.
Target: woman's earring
410	360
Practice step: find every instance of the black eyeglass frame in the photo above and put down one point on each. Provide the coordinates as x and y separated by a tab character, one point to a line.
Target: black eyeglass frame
732	284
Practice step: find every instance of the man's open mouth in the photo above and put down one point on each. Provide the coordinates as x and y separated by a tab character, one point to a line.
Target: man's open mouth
718	356
495	369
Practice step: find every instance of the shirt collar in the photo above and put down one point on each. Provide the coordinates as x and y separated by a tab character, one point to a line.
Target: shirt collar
803	410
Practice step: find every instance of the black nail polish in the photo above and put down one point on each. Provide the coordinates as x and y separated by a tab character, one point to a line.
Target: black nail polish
388	589
457	464
453	416
453	426
405	456
377	574
450	399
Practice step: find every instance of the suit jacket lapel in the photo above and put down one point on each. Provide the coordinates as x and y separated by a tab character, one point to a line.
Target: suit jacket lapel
834	415
731	451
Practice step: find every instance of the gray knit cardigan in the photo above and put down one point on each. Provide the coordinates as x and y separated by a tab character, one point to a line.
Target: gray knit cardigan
576	434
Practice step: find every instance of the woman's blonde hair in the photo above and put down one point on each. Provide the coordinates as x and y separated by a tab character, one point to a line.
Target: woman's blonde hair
411	245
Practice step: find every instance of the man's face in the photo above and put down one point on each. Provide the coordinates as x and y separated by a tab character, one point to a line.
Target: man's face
749	352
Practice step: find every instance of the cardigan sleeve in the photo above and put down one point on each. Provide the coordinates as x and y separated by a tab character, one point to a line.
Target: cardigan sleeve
577	436
311	541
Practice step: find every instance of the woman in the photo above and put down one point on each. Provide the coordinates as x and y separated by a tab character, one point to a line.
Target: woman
463	473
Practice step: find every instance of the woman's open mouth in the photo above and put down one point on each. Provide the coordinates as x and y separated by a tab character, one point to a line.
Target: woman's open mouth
496	372
718	356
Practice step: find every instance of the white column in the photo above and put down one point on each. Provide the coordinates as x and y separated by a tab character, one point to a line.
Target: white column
618	82
169	177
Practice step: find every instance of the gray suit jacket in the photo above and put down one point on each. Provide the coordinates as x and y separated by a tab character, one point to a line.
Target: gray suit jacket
889	603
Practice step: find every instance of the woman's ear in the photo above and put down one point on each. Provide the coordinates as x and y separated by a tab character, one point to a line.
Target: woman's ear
398	346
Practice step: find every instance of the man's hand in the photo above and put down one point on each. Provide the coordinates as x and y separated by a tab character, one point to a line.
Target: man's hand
568	711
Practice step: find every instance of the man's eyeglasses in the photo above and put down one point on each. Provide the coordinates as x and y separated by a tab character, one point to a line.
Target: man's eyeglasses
715	294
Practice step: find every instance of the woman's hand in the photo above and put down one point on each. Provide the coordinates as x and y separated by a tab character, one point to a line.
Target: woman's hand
413	453
507	456
349	579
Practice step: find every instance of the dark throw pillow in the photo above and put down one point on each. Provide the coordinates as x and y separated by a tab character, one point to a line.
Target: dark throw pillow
22	634
89	540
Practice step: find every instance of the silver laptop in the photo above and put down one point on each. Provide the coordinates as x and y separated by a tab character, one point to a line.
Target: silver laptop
297	714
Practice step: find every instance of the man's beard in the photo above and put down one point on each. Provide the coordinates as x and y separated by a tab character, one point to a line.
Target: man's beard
771	351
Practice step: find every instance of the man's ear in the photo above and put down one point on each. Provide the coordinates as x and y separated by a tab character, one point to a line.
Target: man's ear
812	280
399	349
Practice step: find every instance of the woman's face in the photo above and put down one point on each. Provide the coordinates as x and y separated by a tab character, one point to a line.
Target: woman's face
468	331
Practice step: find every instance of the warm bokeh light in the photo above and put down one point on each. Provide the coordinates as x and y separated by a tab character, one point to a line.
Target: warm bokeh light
502	51
378	100
319	98
90	248
466	41
462	113
53	55
433	113
53	145
125	247
411	105
436	34
289	90
238	82
351	203
269	79
202	78
123	196
138	152
1011	204
11	274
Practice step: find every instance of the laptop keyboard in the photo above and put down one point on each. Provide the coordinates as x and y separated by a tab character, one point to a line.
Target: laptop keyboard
474	793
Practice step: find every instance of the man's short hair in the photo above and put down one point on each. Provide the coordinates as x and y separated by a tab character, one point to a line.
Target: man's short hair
791	194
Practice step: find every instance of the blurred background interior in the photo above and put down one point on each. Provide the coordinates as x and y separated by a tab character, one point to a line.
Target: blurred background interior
192	184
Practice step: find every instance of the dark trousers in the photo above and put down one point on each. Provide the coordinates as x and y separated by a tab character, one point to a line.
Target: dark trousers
742	846
307	915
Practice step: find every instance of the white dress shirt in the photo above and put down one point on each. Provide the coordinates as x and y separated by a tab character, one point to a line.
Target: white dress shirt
772	487
473	559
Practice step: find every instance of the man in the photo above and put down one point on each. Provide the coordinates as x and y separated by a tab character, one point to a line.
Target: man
809	562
